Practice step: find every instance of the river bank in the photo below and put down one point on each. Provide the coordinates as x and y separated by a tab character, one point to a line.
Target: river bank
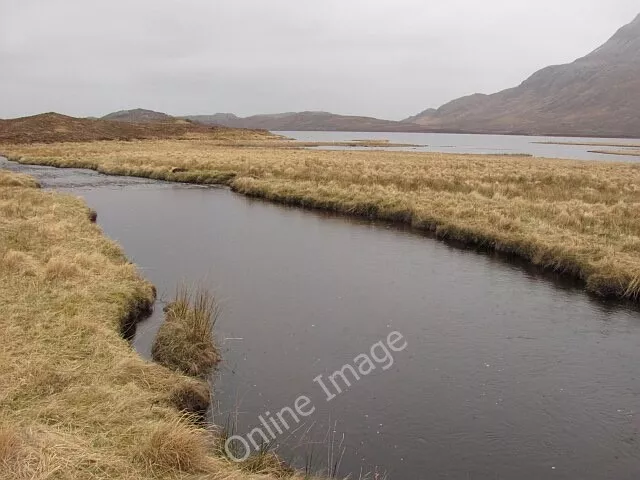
578	218
77	401
623	153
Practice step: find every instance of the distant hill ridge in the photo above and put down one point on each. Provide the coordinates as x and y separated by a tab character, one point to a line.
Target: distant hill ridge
305	121
54	127
139	115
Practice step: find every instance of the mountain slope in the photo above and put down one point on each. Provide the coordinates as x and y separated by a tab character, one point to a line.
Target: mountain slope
305	121
597	95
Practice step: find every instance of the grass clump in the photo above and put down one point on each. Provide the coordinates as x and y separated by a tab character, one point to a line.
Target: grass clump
264	461
185	340
174	447
10	179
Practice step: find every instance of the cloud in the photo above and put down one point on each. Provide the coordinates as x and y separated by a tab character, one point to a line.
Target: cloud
371	57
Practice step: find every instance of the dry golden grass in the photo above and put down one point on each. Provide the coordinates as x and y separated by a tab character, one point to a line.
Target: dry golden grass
626	152
593	144
185	341
76	402
349	143
578	217
8	179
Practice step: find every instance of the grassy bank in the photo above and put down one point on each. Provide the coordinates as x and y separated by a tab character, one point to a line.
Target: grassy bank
628	152
76	402
582	218
593	144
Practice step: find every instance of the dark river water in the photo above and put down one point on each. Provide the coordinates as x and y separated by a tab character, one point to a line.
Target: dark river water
482	144
508	373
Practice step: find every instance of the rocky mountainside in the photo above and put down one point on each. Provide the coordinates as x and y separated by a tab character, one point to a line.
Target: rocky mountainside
597	95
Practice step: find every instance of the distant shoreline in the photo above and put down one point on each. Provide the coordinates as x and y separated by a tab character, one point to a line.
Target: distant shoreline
464	132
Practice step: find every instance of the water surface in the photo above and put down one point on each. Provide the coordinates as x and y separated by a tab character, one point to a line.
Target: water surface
508	373
481	144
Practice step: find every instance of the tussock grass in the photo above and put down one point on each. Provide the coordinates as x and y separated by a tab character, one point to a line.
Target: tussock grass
174	447
76	402
10	445
265	461
581	218
185	341
9	179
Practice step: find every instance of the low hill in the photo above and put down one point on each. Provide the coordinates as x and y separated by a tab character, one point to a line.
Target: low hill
53	127
138	115
305	121
597	95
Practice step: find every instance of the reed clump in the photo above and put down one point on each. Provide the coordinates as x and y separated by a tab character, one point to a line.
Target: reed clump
185	341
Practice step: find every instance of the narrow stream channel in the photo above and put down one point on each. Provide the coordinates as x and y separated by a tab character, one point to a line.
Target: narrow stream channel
508	373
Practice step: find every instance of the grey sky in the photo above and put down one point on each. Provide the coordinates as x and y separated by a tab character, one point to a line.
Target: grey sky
388	59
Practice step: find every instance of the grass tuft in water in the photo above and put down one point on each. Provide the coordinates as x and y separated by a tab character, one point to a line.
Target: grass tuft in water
185	342
265	461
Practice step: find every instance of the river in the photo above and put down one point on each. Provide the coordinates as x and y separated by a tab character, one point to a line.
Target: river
508	373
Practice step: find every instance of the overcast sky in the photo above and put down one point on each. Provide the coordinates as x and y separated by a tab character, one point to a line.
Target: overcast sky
383	58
